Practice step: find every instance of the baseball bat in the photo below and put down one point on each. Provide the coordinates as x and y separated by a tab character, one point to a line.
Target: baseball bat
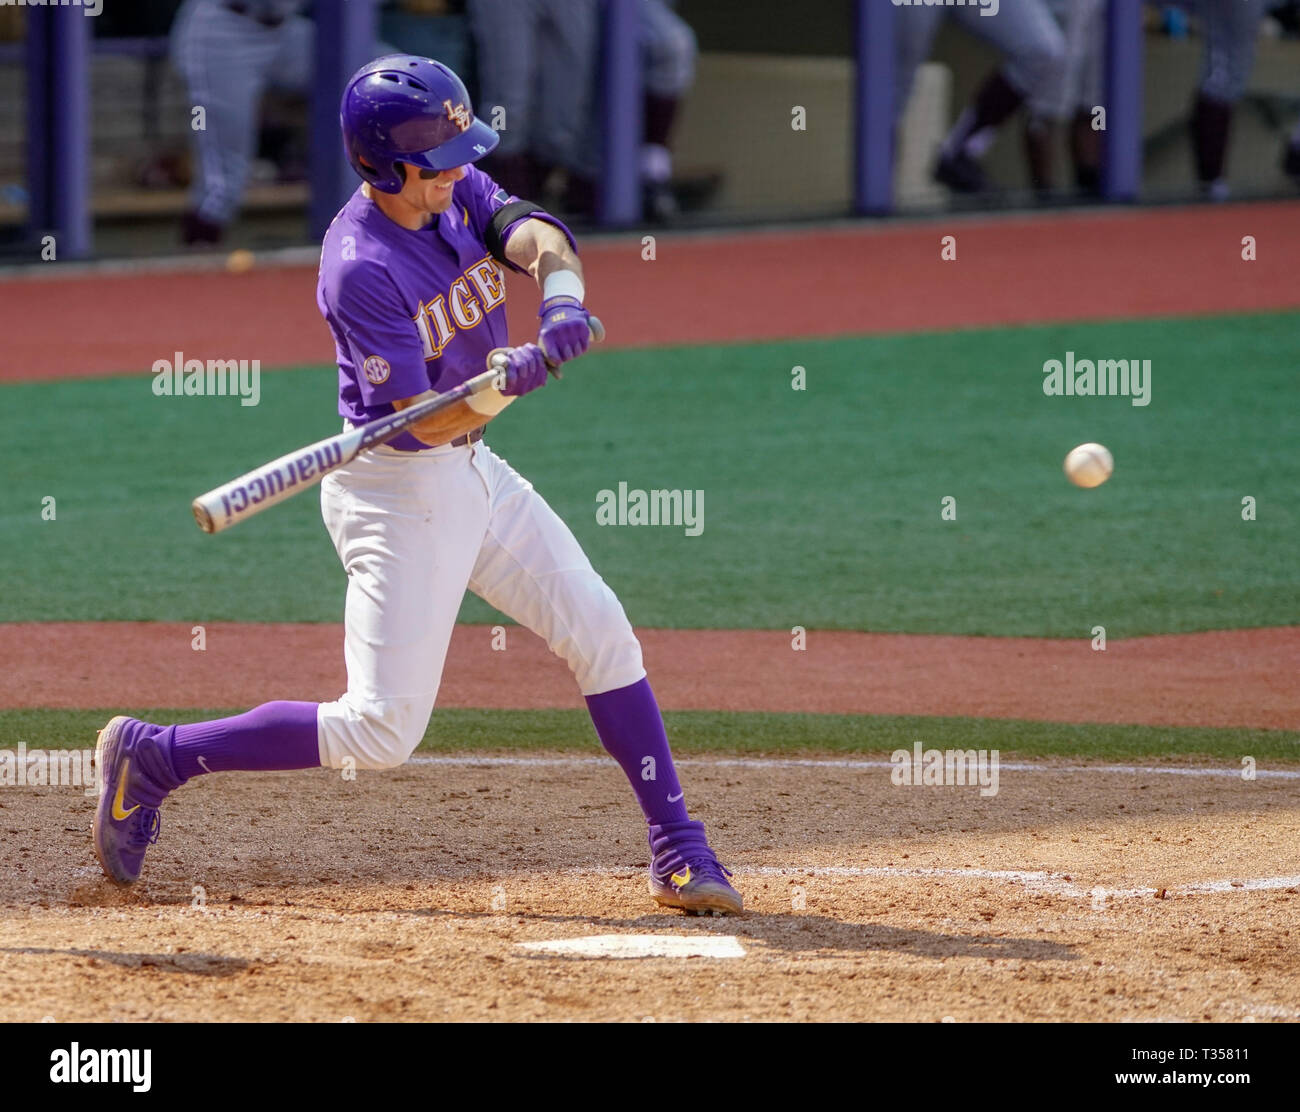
290	474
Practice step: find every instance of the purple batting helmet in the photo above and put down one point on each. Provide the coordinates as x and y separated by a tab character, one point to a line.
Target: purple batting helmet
403	108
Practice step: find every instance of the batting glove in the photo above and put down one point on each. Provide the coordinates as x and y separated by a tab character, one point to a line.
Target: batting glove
525	370
564	333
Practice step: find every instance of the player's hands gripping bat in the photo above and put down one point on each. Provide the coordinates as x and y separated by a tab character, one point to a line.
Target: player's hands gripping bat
565	331
526	369
477	400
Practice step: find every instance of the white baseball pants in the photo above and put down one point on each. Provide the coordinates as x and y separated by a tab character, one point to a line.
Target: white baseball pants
413	530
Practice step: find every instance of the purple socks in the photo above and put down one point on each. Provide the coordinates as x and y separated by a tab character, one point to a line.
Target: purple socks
632	731
282	735
271	737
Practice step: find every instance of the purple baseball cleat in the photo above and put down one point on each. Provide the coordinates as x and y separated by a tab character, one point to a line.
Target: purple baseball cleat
686	874
135	774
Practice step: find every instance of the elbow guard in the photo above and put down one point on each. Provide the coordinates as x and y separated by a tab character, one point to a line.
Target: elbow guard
501	220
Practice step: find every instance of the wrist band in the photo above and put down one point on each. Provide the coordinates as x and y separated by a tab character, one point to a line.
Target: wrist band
562	283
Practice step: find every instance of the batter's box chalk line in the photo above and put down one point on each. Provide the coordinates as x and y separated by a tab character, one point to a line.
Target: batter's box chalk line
1036	881
641	946
777	762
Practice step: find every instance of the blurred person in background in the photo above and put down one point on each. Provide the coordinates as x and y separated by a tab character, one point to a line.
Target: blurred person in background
1231	30
670	50
1031	44
229	52
537	74
1286	17
435	29
1068	96
538	68
1291	156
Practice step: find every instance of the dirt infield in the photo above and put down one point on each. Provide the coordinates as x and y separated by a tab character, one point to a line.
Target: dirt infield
410	894
406	894
1227	678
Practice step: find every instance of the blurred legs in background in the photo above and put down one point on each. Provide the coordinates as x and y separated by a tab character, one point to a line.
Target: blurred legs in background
229	53
537	67
1070	92
1231	28
1291	156
228	58
670	52
1030	41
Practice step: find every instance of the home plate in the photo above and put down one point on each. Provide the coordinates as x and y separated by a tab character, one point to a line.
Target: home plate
643	946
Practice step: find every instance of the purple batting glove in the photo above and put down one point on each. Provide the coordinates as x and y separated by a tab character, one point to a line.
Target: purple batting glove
525	370
564	333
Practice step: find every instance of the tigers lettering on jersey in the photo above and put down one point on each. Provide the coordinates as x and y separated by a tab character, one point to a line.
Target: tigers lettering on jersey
460	308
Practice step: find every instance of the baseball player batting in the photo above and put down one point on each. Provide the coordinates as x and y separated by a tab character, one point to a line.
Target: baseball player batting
412	289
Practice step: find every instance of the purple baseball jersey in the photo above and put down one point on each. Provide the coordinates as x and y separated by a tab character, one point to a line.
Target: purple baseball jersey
412	311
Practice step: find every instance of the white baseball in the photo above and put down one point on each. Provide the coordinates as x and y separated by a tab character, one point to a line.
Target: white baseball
1089	465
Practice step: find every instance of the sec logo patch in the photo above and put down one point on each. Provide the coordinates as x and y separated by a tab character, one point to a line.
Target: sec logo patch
376	370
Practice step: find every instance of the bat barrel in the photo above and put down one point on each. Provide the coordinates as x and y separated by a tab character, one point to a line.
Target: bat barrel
273	482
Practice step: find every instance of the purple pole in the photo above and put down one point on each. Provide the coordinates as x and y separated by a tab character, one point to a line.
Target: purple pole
1122	141
345	41
37	51
873	168
621	119
71	140
58	84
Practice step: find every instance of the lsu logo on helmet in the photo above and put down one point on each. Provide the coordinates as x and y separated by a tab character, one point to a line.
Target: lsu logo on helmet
458	115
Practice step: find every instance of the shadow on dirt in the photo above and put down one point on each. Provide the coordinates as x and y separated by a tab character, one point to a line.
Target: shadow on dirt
804	934
205	965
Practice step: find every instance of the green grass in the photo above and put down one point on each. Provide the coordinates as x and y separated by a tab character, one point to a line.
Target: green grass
700	733
821	508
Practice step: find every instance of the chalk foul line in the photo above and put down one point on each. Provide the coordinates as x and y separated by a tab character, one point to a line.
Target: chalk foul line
1037	881
831	762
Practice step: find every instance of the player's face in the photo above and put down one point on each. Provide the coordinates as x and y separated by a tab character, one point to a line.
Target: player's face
431	193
